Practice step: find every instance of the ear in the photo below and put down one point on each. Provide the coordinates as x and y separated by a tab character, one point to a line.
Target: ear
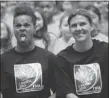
92	26
34	29
70	29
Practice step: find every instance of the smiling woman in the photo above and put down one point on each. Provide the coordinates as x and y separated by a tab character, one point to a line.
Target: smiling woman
66	38
41	37
5	38
97	21
84	64
81	26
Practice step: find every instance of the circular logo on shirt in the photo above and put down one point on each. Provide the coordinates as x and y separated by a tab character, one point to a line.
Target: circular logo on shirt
86	77
27	75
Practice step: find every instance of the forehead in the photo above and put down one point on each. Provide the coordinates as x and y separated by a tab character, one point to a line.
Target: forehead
23	19
93	14
79	18
37	14
65	19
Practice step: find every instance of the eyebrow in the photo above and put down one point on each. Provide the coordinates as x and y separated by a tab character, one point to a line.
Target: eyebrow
24	23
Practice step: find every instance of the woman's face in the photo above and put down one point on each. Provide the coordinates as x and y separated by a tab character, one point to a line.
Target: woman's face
95	18
64	27
39	21
66	5
4	32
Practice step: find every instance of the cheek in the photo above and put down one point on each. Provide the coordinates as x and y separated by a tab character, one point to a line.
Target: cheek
16	32
42	22
96	20
5	33
72	30
51	11
32	30
39	22
64	28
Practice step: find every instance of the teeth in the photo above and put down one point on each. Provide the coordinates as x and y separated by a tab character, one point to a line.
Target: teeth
78	33
23	38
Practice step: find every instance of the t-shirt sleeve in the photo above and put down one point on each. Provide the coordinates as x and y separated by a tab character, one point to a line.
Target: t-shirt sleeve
64	83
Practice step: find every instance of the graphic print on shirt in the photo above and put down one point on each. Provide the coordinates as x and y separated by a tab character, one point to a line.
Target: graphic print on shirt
28	77
87	79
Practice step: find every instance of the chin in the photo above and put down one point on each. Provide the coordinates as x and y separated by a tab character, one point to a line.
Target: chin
24	44
81	40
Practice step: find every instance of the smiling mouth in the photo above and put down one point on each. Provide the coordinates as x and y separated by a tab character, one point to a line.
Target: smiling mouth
80	33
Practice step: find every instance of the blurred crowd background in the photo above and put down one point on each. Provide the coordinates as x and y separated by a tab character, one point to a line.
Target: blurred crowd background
50	17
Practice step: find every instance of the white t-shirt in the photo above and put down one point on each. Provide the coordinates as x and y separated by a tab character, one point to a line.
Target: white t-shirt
101	37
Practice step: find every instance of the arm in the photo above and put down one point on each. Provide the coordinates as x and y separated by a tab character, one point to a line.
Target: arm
71	95
53	96
64	85
1	96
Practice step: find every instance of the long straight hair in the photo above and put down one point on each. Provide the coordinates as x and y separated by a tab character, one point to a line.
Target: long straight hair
43	30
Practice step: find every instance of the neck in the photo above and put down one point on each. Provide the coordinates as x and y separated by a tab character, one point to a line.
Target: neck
21	48
83	46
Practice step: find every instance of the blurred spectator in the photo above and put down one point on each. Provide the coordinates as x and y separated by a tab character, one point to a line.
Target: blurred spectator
5	38
104	10
3	5
66	5
29	3
11	3
48	8
41	36
105	24
7	16
52	15
83	4
96	16
66	38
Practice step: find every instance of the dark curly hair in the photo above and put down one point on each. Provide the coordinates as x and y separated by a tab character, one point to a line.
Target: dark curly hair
24	9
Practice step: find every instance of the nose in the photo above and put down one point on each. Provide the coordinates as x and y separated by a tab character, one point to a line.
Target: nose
45	9
67	28
22	28
78	27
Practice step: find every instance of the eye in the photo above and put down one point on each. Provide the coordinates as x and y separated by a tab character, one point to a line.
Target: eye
3	28
74	25
48	6
42	7
94	16
18	25
82	24
66	25
27	25
38	18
